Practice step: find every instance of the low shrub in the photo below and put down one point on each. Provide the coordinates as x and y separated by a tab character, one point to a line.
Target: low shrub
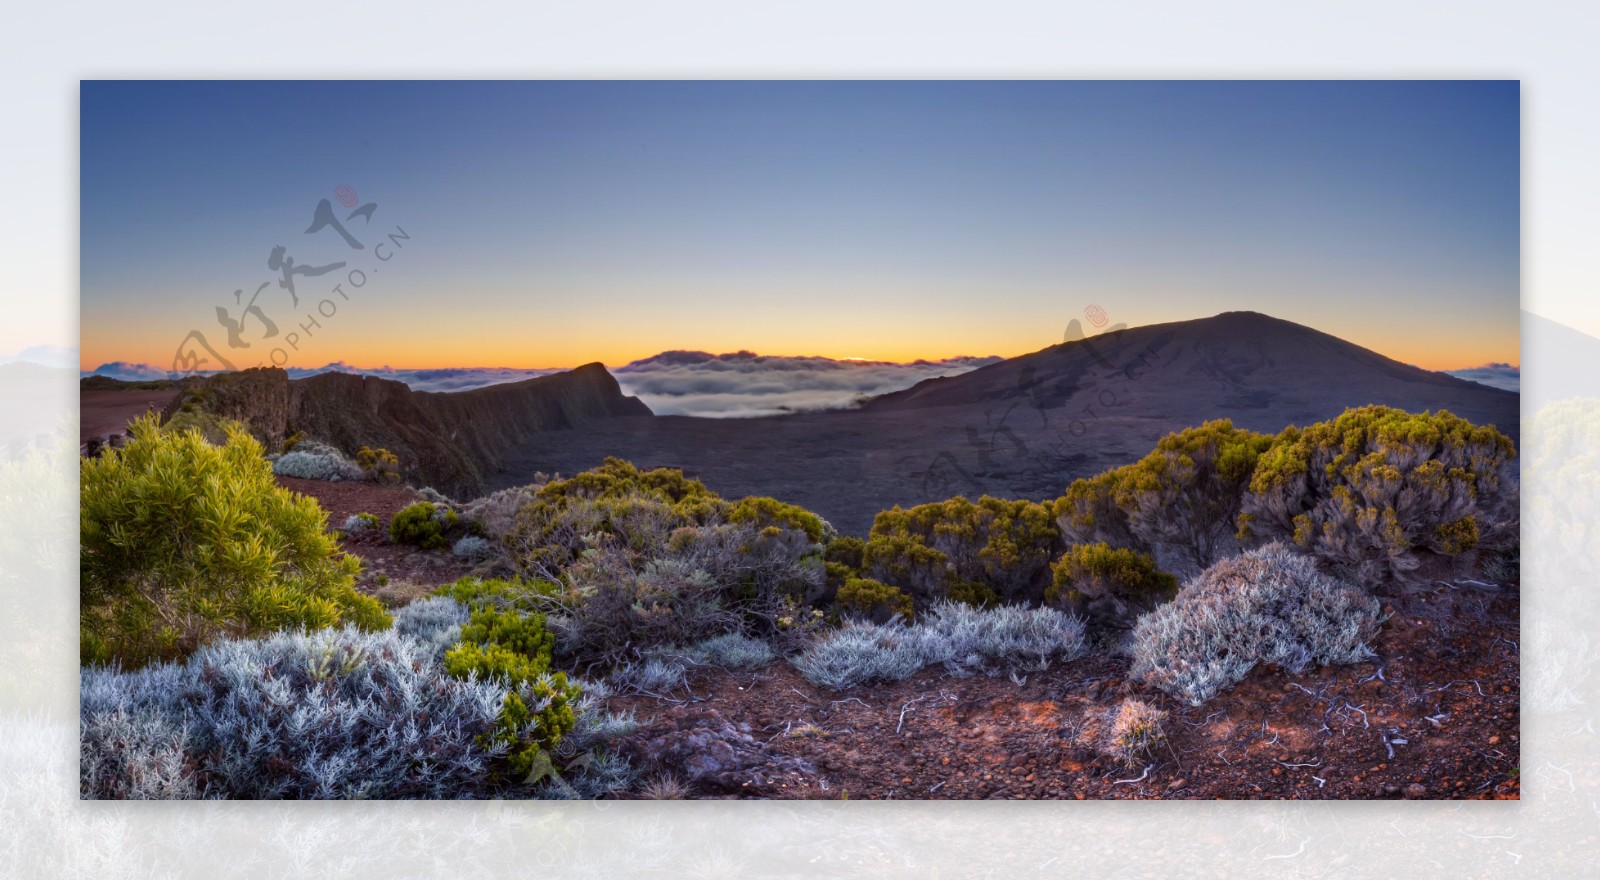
933	551
613	613
423	524
1182	499
1127	734
472	548
1371	491
496	513
501	644
1110	585
650	559
1270	605
359	523
962	638
378	465
873	600
523	595
182	541
329	714
310	460
435	622
730	651
338	714
860	652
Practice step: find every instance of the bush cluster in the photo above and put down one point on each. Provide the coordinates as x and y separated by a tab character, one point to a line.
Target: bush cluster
647	559
472	548
1108	584
328	714
182	541
1270	605
359	523
979	552
1372	490
379	465
424	525
1181	500
310	460
962	638
873	600
340	714
500	642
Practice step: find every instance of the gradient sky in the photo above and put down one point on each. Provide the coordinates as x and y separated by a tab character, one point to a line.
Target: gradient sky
557	223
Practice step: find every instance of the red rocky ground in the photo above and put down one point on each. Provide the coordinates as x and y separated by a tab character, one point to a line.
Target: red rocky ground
1441	722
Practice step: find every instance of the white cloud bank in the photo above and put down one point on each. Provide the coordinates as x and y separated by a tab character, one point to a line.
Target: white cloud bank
1503	376
744	384
688	383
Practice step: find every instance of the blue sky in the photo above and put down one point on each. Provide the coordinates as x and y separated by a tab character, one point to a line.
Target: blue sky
556	223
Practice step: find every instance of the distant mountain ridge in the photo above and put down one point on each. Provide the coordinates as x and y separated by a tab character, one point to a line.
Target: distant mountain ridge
1027	426
453	441
1233	363
1019	428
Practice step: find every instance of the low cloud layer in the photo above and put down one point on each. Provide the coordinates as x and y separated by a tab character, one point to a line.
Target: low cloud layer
743	384
1504	376
683	383
448	379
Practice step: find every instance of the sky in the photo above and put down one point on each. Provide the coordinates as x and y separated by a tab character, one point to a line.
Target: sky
550	224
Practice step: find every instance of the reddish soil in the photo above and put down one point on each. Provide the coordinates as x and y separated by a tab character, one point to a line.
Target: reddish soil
1273	736
103	413
394	573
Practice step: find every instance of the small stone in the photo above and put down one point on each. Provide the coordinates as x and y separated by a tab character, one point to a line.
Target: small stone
1494	740
1415	791
1177	783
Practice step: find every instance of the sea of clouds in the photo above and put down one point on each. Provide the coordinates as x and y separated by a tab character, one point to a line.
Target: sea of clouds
684	383
744	384
1503	376
736	385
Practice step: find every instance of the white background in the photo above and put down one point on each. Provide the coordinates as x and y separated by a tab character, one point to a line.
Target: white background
46	832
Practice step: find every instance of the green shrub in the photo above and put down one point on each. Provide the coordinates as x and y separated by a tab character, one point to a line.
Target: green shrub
499	643
1370	491
1183	498
846	551
874	600
182	540
475	592
423	525
531	734
379	464
766	512
1111	584
931	550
